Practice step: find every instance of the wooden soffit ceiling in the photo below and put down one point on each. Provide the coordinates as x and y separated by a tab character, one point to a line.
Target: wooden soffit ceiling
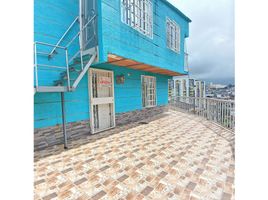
124	62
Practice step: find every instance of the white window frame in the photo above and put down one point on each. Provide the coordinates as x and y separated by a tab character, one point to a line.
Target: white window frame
147	103
173	35
138	14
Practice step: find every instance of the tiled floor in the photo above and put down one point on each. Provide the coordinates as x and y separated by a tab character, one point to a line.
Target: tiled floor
175	156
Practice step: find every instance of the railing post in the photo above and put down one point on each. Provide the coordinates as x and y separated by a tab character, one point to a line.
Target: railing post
81	51
67	67
194	104
81	15
35	66
63	121
207	109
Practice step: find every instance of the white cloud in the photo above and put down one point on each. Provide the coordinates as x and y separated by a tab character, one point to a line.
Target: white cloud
211	41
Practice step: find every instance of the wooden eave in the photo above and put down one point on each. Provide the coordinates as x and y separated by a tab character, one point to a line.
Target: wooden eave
132	64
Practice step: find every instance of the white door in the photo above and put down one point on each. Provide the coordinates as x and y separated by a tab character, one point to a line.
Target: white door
102	113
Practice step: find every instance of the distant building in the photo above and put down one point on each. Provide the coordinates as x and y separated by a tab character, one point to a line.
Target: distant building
216	86
220	91
186	87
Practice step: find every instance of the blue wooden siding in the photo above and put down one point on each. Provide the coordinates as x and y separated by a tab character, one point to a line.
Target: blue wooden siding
120	39
47	106
51	19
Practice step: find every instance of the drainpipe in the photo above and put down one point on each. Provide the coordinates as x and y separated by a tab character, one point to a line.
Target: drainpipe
63	120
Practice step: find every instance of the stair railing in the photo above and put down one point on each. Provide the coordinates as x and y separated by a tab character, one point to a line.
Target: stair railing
67	60
80	41
217	110
50	66
63	36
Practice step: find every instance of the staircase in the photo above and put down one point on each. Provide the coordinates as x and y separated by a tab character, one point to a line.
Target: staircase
69	79
53	70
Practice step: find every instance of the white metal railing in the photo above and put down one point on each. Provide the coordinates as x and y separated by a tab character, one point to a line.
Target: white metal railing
36	65
63	36
216	110
64	48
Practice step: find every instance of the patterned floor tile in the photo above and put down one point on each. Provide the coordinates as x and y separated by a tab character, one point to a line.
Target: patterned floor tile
175	156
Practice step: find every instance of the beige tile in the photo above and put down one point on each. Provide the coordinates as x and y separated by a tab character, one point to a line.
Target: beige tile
177	156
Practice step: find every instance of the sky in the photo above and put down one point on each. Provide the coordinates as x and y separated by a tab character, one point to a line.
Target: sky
211	41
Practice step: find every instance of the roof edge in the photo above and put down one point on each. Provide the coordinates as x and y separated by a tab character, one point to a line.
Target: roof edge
176	10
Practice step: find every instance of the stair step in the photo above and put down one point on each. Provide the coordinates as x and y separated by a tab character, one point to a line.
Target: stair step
85	59
58	83
73	69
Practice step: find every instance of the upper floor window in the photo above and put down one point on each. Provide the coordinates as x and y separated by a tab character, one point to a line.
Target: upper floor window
173	35
139	15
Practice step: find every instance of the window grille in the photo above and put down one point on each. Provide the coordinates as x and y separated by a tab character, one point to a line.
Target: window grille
138	14
184	88
173	35
148	91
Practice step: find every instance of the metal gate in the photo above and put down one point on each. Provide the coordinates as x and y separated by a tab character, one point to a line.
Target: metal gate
102	112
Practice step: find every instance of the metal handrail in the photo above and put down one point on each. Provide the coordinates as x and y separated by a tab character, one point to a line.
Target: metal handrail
63	36
50	66
67	60
71	41
214	99
48	44
219	111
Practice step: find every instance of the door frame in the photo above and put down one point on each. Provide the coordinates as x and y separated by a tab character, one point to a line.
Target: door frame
148	76
103	100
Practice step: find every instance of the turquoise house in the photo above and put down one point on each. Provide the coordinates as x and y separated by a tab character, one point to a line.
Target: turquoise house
101	63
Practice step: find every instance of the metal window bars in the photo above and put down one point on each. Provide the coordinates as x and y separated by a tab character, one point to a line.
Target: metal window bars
138	14
219	111
173	35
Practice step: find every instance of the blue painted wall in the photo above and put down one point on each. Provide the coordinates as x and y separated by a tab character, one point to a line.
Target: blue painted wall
52	18
121	39
47	106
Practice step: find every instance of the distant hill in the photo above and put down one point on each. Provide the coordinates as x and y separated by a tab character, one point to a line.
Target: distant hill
224	81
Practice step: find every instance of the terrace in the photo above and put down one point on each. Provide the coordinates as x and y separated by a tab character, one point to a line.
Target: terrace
174	155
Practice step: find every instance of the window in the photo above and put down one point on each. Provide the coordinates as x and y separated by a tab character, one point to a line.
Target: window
138	14
148	91
197	89
202	89
191	88
170	87
173	35
184	90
